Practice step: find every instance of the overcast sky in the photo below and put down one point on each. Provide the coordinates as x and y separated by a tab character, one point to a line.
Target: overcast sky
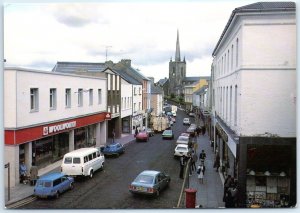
38	35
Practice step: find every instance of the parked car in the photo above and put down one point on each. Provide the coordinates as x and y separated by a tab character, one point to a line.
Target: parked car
191	114
113	149
52	185
142	136
185	134
169	114
183	140
150	182
168	134
150	132
186	121
181	150
191	131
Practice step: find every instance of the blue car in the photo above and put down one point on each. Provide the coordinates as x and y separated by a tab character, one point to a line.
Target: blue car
113	149
52	185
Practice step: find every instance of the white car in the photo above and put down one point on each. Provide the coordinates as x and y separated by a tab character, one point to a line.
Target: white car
181	150
182	140
174	113
186	121
191	114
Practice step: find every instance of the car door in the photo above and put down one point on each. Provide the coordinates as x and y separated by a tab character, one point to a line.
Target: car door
64	183
161	180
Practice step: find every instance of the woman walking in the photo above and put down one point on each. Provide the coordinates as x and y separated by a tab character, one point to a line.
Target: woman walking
200	172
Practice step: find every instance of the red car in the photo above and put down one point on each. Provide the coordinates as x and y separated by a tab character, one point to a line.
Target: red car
142	136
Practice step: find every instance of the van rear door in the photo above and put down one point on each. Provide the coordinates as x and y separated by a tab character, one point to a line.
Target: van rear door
72	166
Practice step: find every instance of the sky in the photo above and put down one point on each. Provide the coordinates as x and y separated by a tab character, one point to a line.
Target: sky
36	35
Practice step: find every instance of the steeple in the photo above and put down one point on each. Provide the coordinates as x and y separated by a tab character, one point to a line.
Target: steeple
177	54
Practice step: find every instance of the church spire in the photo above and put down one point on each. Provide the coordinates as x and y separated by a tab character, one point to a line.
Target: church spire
177	54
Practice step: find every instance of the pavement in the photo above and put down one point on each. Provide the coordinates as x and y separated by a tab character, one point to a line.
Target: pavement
208	195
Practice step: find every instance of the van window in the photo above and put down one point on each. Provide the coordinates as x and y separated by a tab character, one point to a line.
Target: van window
68	160
56	182
85	159
76	160
90	157
98	154
94	155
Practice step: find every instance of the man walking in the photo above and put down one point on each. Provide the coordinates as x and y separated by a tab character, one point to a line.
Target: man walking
181	161
202	156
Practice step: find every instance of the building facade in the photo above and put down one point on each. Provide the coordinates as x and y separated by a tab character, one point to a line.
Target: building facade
254	114
49	114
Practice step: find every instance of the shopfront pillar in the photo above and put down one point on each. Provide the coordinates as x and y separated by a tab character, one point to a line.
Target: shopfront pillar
28	155
98	134
71	140
103	133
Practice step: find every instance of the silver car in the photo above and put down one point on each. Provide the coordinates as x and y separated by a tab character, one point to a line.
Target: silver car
150	182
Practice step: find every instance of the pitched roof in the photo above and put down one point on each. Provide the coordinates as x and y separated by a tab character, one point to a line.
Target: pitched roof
162	81
71	67
155	89
127	77
201	90
257	7
196	78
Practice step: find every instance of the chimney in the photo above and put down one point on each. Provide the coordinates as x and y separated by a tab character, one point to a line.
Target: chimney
151	79
127	62
109	64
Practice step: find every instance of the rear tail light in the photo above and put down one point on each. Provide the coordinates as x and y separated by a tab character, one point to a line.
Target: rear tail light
150	190
132	187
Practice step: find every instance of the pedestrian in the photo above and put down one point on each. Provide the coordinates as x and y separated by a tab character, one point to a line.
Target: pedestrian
200	172
33	174
227	183
23	172
181	163
217	161
230	196
113	135
194	160
190	161
203	130
136	132
198	130
202	156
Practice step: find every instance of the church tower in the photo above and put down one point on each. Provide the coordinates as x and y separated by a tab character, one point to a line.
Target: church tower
177	71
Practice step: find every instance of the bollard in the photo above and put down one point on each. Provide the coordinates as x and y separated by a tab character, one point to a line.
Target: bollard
190	196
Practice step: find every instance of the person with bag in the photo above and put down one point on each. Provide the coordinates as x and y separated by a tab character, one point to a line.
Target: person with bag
202	156
200	172
33	174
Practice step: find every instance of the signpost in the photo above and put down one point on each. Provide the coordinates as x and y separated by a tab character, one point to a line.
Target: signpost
8	180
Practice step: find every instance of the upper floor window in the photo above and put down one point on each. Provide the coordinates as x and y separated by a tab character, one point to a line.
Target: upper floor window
52	98
91	97
140	91
237	52
80	97
34	99
134	91
99	96
68	98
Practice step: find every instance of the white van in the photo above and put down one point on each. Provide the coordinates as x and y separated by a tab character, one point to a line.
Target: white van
82	162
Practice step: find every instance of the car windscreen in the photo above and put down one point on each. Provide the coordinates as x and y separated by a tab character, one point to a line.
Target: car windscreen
181	148
144	179
183	138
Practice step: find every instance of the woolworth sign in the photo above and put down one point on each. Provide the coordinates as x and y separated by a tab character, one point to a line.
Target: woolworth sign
59	127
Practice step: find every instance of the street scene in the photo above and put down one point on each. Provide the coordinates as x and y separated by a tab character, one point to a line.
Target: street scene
105	116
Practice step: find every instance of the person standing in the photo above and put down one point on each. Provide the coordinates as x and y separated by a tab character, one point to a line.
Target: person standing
33	174
200	172
181	162
227	183
217	161
23	172
113	135
194	160
195	147
136	132
203	130
202	156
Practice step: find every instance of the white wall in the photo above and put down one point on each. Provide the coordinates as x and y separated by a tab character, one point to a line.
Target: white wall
21	115
126	92
137	98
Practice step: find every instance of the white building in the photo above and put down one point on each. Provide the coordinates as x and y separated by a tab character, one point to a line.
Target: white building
254	100
49	114
126	105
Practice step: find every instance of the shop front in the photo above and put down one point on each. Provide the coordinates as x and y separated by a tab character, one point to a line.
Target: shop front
126	125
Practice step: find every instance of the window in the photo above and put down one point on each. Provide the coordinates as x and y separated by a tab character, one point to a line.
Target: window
134	107
230	105
76	160
91	97
237	52
140	91
228	61
34	99
139	105
134	91
232	57
99	96
235	105
68	98
52	98
80	97
226	110
90	157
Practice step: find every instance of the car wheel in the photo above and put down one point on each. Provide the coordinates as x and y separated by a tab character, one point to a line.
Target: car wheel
91	174
71	186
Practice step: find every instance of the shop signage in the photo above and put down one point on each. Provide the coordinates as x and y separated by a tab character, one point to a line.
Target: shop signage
108	116
222	132
59	127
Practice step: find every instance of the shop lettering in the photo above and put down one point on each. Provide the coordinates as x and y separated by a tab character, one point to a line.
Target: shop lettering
60	127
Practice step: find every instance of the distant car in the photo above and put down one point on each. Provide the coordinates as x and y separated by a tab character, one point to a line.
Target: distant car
174	113
142	136
169	114
150	182
186	121
185	134
113	149
191	114
181	150
193	126
168	134
150	132
52	185
191	131
183	140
